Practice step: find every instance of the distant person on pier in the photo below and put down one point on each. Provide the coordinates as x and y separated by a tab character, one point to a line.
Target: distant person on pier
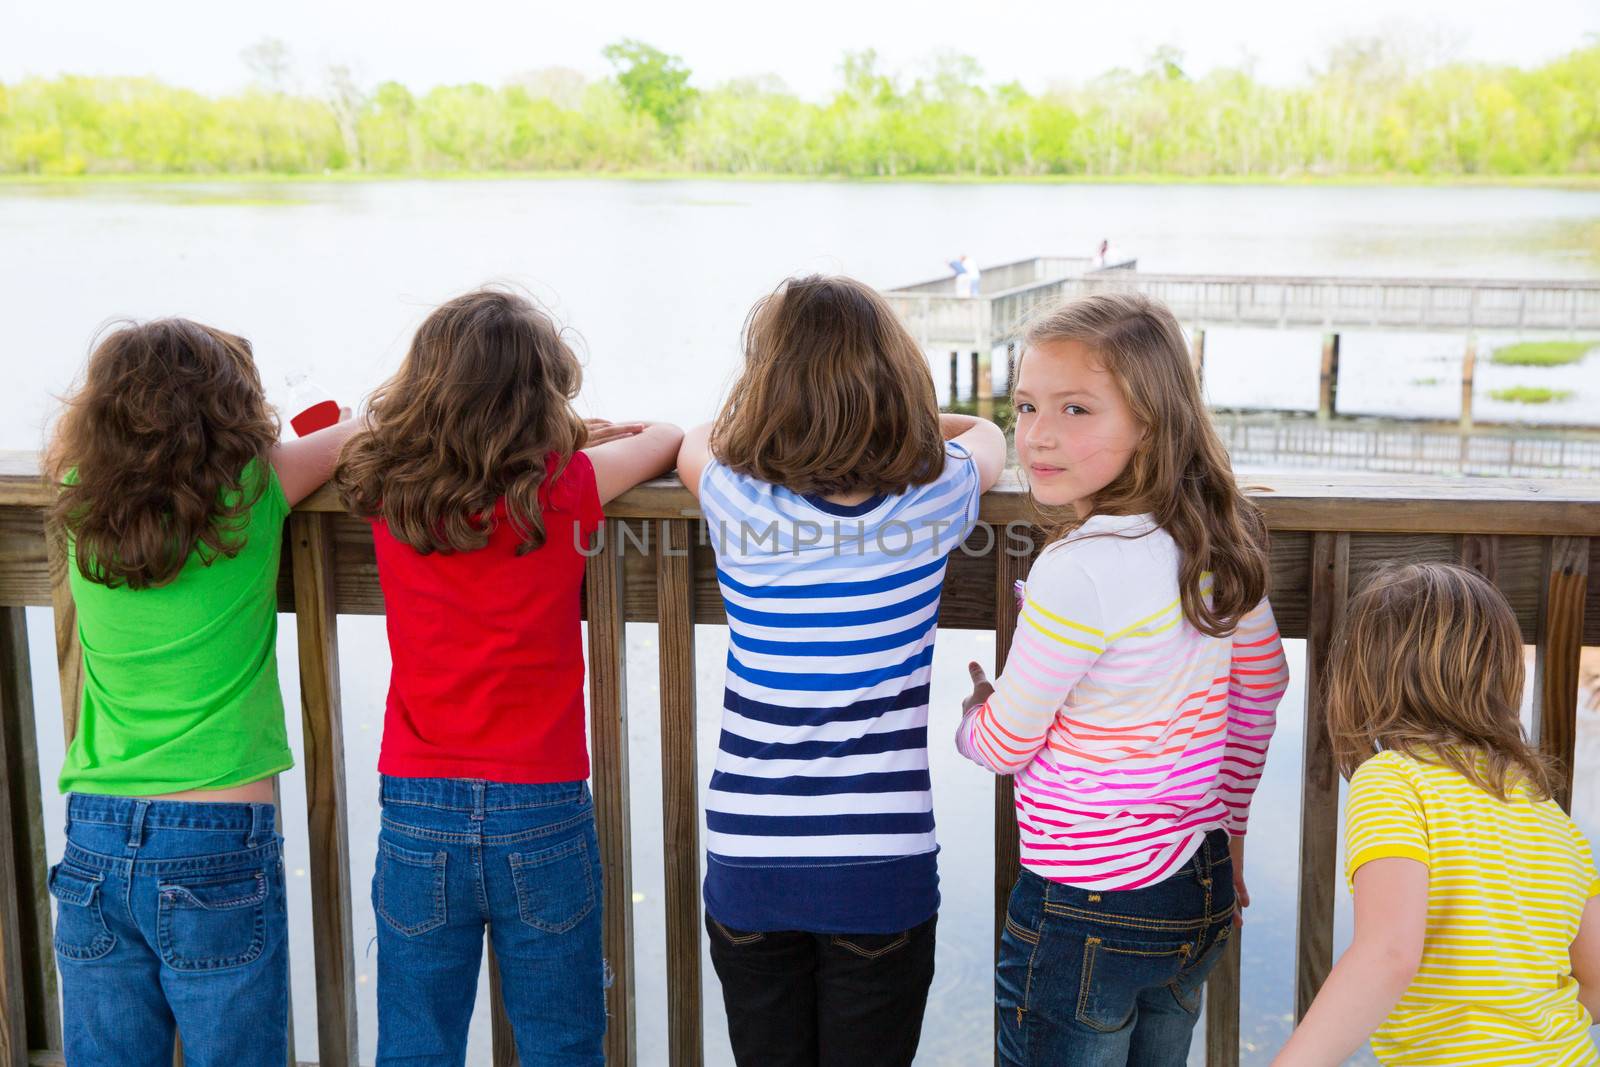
967	275
1100	255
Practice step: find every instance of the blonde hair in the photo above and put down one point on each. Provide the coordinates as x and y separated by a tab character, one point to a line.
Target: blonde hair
1179	472
835	396
1428	662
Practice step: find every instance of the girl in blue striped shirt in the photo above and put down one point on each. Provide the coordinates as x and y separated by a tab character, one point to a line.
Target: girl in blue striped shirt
833	491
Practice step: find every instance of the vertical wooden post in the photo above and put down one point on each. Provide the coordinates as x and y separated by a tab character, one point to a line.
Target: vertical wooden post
27	935
1009	565
322	723
1469	365
680	785
1559	646
955	376
1319	796
1222	1006
1197	356
14	1003
608	740
69	653
1328	395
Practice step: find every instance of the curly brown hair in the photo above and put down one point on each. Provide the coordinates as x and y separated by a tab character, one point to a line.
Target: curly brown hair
1180	473
1428	662
835	396
150	453
483	398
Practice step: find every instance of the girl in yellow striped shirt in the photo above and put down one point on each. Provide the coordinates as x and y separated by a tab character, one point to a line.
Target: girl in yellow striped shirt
1477	936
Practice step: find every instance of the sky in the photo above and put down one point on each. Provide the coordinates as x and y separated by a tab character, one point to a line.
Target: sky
423	43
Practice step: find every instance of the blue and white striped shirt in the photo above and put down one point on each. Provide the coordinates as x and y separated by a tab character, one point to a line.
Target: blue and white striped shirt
820	814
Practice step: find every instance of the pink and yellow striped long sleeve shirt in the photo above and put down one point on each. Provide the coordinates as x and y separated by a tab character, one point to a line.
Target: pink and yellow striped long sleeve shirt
1131	734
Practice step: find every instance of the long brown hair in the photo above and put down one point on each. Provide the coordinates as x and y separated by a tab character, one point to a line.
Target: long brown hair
835	396
150	453
1179	473
1428	662
483	398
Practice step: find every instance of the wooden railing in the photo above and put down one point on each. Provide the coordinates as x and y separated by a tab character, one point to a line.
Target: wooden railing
1537	541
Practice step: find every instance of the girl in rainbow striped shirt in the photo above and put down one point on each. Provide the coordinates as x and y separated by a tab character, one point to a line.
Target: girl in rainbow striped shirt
1137	700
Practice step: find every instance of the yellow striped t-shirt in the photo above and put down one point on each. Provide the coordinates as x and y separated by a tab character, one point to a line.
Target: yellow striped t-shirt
1507	883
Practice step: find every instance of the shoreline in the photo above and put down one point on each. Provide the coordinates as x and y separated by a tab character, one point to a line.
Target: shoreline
1569	182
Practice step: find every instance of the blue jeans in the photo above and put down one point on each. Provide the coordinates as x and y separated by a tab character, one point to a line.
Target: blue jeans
456	856
1112	978
170	914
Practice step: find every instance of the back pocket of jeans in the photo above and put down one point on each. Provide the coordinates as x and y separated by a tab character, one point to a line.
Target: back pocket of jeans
209	922
409	889
1116	972
555	887
81	932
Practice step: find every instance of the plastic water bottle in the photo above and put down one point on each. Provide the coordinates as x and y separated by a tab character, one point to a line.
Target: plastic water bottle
314	409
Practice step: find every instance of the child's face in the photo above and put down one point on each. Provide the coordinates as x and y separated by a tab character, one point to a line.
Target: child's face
1075	432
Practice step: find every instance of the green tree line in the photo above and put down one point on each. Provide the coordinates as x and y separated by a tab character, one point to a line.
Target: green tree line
1366	110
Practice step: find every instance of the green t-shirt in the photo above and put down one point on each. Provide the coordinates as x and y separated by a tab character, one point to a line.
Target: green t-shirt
180	681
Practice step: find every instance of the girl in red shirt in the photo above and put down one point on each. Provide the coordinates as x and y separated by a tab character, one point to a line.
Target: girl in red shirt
483	487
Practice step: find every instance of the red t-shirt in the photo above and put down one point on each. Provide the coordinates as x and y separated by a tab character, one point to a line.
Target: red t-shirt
487	679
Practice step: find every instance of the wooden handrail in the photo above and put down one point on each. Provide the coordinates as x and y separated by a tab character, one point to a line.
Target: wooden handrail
1538	541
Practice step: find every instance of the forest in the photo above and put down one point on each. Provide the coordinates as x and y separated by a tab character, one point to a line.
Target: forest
1367	109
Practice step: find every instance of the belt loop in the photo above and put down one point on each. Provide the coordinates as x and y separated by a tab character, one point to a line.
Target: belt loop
136	829
261	824
478	789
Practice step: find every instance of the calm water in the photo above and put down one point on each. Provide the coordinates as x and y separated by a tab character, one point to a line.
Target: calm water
655	278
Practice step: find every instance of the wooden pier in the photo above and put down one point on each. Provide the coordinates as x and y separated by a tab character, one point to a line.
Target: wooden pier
1539	542
1012	292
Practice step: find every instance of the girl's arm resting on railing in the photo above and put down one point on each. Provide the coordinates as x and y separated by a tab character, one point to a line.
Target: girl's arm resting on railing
1050	653
985	440
1257	678
1586	959
305	463
1391	898
693	455
621	464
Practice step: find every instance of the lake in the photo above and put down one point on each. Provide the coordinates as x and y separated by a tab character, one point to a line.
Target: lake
654	279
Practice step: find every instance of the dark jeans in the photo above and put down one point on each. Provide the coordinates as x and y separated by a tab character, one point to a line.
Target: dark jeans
1112	978
456	856
170	915
798	999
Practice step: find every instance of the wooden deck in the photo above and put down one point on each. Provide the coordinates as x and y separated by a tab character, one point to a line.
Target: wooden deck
1538	541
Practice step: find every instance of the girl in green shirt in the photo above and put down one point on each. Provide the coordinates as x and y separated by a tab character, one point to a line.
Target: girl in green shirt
174	489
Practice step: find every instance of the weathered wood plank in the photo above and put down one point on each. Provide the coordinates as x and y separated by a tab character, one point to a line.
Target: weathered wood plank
13	983
69	652
1222	1007
18	736
332	930
1319	794
680	798
1558	648
1009	566
608	743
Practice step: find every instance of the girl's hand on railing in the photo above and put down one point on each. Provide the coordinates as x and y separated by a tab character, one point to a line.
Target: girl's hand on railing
603	430
981	689
1241	894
